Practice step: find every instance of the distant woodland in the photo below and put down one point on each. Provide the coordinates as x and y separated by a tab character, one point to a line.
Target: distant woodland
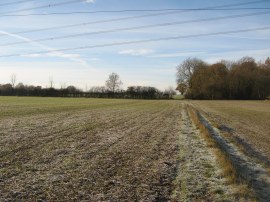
243	79
111	89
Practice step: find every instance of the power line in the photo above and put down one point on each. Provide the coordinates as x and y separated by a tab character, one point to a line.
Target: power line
43	6
131	17
90	23
247	3
140	41
126	10
16	2
137	27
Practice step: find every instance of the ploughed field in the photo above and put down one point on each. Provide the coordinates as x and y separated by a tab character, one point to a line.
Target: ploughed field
247	123
64	149
87	149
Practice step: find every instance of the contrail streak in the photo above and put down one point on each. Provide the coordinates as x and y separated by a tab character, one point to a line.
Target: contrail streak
53	52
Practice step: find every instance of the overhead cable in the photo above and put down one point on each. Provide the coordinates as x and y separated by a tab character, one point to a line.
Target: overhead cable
140	41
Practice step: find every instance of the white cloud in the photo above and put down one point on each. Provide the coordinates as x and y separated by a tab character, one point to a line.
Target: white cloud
94	59
32	55
138	52
179	54
90	1
151	53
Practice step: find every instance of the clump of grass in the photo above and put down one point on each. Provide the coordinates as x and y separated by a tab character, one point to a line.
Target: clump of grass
243	191
219	191
228	169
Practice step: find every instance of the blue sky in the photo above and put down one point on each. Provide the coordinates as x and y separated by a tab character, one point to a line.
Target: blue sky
150	64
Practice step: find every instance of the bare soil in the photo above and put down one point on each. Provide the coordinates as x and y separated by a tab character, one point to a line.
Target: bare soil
55	149
117	153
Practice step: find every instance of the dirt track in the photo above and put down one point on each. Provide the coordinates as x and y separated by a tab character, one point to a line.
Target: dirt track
198	178
254	174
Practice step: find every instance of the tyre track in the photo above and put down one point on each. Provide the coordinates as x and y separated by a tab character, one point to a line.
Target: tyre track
254	174
198	176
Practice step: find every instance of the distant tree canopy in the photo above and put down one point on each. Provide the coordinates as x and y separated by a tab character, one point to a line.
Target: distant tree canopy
132	92
143	92
244	79
111	90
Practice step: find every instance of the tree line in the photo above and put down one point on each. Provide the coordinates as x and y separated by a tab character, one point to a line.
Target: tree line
243	79
112	89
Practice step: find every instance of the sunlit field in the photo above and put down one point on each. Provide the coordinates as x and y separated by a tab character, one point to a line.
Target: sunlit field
91	149
55	149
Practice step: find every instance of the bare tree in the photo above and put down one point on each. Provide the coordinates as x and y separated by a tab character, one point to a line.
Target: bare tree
113	83
267	62
86	88
13	80
228	63
63	85
170	91
246	59
97	89
182	88
186	69
51	82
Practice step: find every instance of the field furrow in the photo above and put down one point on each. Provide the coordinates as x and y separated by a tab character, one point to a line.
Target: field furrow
54	149
113	153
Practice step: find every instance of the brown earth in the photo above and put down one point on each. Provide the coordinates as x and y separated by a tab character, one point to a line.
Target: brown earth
55	149
124	153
